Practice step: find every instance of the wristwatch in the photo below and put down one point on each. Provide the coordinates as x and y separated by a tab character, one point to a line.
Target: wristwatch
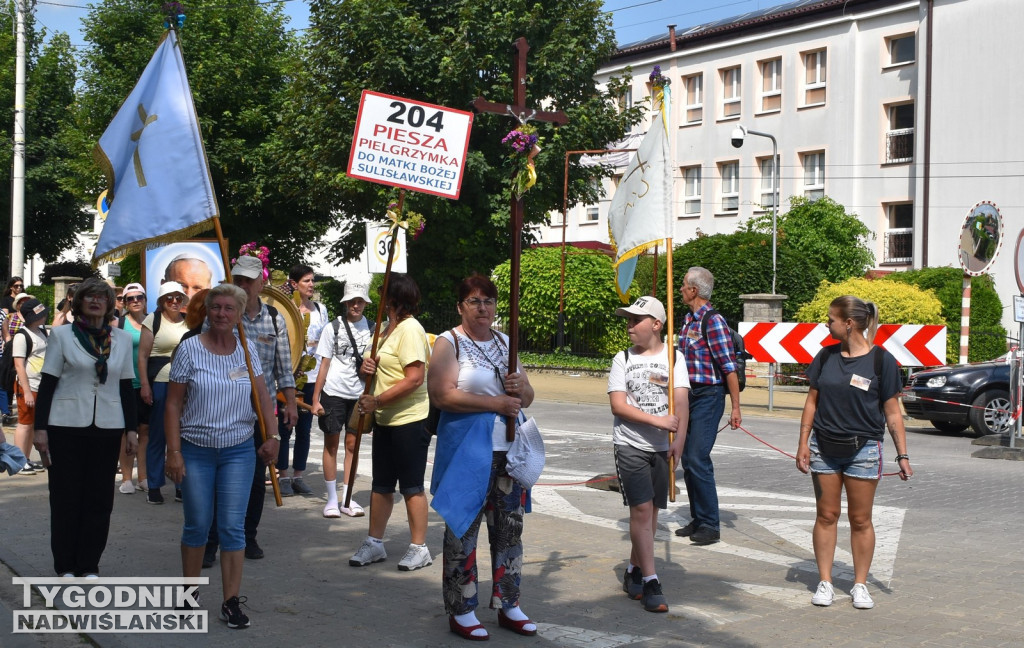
901	457
275	437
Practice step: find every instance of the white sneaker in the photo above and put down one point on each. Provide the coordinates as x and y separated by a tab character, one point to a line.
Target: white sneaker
127	487
368	553
143	485
861	598
417	557
824	595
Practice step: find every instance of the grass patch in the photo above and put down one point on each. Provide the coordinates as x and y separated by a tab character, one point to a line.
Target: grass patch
564	361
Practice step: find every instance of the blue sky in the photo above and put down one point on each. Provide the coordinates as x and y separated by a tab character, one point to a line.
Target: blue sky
633	19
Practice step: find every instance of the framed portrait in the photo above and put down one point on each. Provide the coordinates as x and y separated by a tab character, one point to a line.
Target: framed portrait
195	264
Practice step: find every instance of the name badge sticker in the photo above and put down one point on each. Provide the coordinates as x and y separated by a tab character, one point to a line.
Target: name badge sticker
265	339
658	378
860	382
238	373
693	334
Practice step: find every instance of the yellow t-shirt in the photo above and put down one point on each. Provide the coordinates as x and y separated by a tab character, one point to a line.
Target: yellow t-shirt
406	344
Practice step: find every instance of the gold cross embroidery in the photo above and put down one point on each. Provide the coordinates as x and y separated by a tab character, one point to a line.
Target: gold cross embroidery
146	121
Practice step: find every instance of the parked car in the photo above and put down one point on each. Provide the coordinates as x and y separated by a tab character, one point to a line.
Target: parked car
985	386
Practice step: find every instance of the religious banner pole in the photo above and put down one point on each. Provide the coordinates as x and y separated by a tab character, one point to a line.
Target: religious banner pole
368	387
522	114
670	341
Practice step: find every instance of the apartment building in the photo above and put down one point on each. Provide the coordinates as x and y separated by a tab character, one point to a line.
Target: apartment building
904	112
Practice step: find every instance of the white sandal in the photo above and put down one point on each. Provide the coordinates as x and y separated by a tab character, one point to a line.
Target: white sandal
332	511
354	510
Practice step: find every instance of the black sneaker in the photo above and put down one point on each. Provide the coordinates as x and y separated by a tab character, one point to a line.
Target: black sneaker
38	467
252	550
633	584
653	599
688	529
231	612
177	494
209	556
705	536
154	496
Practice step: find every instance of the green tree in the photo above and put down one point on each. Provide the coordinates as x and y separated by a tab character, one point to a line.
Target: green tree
449	53
53	214
987	337
741	263
897	303
590	299
835	242
240	60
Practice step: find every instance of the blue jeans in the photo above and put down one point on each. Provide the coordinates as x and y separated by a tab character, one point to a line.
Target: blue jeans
707	404
302	428
219	477
5	405
156	449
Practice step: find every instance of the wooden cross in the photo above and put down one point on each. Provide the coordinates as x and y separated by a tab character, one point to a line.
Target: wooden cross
521	113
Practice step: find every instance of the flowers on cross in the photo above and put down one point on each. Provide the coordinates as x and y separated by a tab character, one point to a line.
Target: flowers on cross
414	221
524	144
260	252
657	79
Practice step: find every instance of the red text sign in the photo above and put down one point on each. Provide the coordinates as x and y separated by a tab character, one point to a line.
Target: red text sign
410	144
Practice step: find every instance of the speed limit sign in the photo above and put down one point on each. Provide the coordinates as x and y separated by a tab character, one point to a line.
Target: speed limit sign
378	238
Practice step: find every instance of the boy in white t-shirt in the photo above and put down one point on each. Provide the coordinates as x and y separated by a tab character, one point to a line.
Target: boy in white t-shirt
644	460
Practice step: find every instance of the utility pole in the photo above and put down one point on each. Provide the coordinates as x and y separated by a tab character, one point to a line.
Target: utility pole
18	171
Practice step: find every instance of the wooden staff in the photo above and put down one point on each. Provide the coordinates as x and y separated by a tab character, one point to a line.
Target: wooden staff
351	477
670	341
248	365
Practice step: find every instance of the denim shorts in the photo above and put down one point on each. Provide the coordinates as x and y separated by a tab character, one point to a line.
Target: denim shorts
643	476
221	476
866	464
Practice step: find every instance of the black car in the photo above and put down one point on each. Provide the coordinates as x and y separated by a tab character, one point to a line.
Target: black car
984	386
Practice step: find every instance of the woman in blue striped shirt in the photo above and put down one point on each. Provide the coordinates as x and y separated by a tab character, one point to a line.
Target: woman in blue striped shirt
209	421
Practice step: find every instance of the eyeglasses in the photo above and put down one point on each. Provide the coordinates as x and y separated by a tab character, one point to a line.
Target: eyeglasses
18	286
131	299
173	298
490	302
94	297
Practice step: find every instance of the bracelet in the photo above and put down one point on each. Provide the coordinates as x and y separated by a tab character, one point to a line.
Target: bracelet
901	457
174	451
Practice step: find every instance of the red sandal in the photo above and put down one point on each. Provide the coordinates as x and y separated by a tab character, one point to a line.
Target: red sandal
516	626
466	632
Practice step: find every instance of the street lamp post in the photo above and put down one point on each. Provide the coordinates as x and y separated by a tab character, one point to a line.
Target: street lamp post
738	134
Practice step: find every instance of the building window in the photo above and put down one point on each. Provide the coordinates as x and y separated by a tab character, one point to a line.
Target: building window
901	49
731	92
815	70
767	173
771	85
730	173
691	191
626	100
899	139
899	237
593	214
694	98
556	219
814	174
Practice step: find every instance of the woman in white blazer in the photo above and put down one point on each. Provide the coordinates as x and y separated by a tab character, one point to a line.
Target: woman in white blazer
85	404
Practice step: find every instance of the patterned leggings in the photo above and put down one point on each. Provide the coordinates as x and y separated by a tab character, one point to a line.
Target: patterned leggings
503	509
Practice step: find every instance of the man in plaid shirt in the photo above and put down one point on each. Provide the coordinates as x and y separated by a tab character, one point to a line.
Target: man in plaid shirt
712	367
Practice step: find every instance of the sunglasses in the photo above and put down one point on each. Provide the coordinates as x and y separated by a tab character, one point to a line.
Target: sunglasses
173	298
131	299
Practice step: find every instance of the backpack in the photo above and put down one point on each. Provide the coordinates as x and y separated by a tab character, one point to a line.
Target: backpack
737	345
